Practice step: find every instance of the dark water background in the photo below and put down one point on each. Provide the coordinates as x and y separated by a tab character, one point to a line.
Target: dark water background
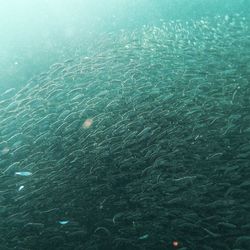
35	34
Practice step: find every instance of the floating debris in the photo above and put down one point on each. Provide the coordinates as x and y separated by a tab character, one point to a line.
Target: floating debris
87	123
175	243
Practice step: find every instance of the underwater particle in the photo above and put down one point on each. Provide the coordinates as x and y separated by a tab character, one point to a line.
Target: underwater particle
143	237
63	222
175	243
87	123
20	188
23	173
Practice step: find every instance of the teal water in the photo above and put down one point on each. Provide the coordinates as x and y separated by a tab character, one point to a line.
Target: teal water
35	35
124	125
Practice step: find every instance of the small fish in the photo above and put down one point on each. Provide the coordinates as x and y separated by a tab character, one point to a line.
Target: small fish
64	222
143	237
24	173
20	188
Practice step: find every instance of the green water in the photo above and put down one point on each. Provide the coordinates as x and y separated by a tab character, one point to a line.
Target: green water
35	34
124	125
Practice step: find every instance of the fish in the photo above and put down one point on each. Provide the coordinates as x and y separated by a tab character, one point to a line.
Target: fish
153	121
23	173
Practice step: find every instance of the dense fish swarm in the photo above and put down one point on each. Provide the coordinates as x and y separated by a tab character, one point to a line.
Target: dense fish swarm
144	144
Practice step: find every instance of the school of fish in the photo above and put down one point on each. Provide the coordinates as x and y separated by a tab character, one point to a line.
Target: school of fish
141	145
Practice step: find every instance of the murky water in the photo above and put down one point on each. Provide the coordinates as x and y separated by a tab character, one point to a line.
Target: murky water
125	126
